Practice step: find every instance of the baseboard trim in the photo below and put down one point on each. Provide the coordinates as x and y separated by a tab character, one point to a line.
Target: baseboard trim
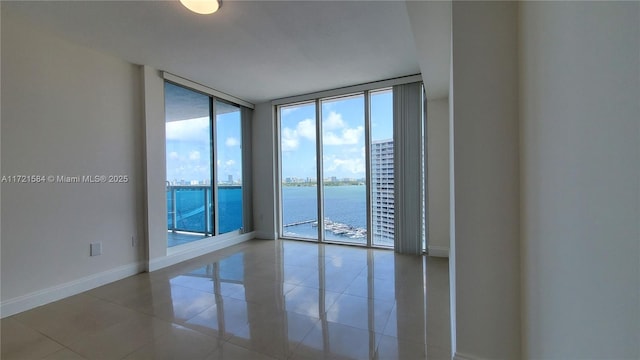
42	297
194	250
438	251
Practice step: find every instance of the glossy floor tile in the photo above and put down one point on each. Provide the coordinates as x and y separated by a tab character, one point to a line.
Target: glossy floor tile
256	300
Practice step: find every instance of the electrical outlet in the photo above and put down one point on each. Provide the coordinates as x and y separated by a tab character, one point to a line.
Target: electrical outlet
96	249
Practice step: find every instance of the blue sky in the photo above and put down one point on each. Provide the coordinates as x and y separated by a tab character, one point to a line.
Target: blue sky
188	148
343	136
188	143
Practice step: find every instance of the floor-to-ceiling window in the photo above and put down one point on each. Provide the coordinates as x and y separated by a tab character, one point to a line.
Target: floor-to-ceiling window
204	165
346	141
189	157
229	166
382	165
299	186
344	169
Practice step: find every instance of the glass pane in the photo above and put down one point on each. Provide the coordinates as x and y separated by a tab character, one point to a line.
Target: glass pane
299	185
345	198
190	202
170	211
188	139
229	162
382	174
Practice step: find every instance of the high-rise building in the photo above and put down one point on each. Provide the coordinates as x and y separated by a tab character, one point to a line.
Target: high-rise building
382	191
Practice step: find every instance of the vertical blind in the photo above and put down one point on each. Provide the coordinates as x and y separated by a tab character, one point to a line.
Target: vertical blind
247	176
407	147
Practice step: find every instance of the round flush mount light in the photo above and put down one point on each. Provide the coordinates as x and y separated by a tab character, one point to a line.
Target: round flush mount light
203	7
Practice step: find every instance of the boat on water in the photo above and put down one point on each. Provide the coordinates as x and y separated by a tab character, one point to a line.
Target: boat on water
342	229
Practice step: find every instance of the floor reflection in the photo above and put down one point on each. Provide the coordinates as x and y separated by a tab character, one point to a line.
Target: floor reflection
300	300
256	300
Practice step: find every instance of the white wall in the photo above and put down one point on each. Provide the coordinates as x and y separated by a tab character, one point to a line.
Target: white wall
485	160
67	110
438	176
264	198
580	116
0	159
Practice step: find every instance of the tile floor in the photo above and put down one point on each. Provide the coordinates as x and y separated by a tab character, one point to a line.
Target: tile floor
257	300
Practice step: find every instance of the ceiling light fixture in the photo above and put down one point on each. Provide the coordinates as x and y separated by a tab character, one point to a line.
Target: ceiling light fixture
203	7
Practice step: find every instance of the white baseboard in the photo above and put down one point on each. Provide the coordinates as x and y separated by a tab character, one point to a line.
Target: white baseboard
438	251
41	297
265	235
193	250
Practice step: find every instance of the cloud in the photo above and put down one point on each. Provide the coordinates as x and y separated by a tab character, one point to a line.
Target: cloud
354	166
231	141
194	155
333	121
307	129
289	139
174	155
348	136
335	132
189	130
230	163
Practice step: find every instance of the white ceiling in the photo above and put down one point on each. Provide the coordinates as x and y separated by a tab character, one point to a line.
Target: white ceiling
254	50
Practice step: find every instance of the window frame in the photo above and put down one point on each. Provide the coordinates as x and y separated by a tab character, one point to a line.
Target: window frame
213	97
317	98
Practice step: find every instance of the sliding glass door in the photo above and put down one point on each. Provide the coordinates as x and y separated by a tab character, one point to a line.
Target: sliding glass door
189	171
203	164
